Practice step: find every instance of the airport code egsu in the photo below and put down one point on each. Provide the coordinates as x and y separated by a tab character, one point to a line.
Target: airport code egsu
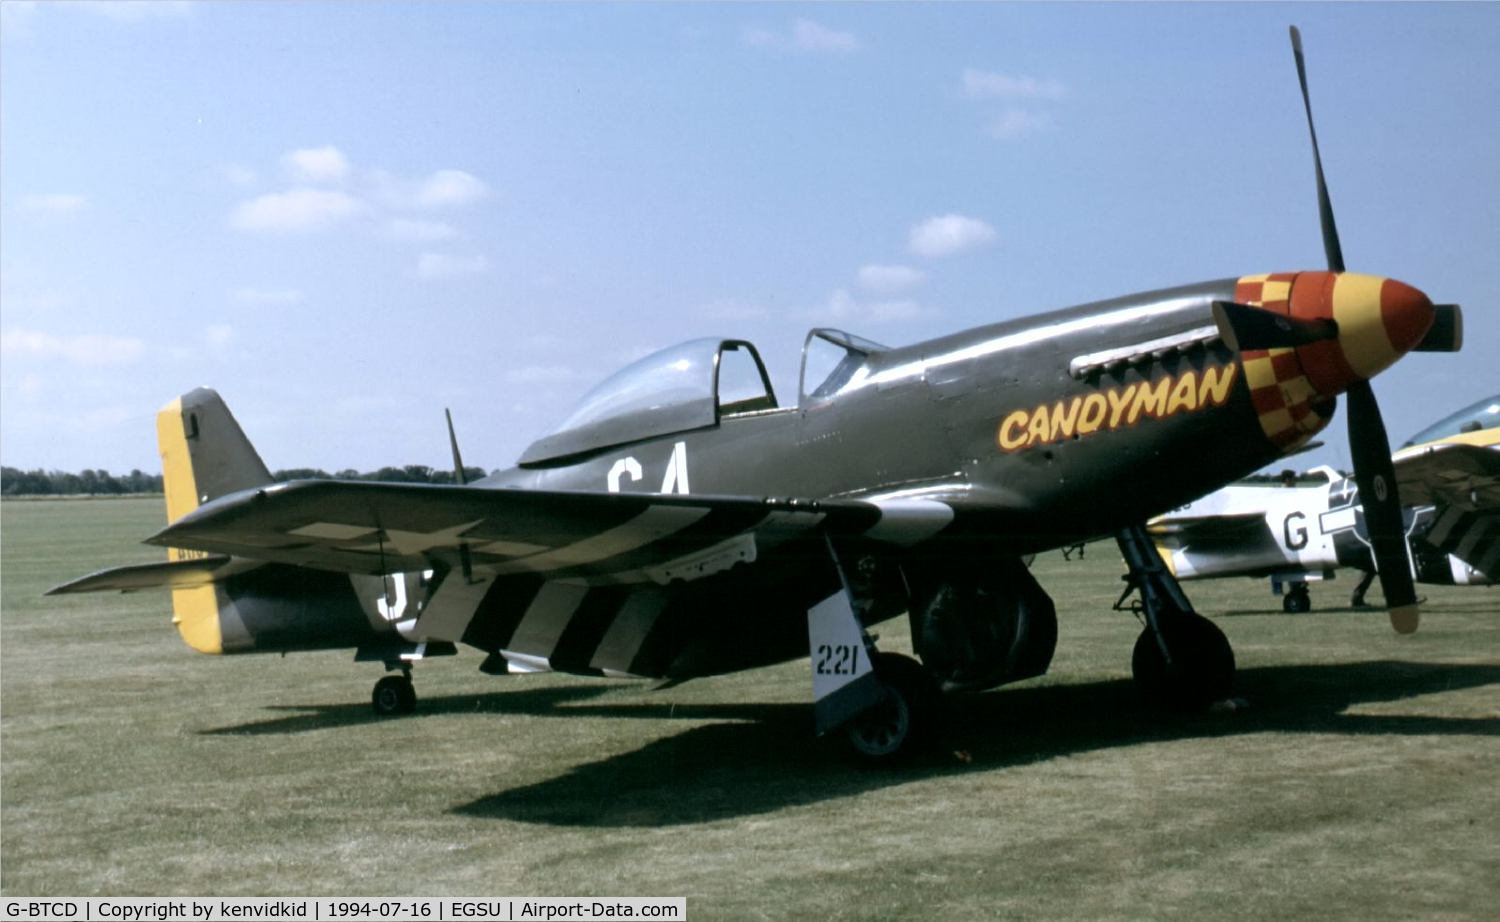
1116	407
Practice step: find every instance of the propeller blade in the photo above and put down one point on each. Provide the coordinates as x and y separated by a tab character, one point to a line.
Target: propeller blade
1244	326
1325	206
1376	477
1447	331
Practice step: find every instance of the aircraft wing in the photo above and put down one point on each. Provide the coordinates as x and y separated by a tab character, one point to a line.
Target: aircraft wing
1227	529
1230	544
589	537
1463	481
1449	474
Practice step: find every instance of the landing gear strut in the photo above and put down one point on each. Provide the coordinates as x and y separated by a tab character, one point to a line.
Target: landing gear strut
1182	661
887	707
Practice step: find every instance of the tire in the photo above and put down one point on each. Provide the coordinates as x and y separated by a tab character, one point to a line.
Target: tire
394	695
905	725
1202	670
1296	603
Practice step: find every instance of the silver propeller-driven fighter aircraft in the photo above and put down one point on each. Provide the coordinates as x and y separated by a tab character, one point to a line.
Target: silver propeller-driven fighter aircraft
686	520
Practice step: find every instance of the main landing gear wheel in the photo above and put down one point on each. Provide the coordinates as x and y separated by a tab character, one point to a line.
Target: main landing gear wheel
1296	601
394	695
909	720
1202	667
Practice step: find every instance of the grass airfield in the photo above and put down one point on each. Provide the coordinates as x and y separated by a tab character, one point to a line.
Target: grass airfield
1361	782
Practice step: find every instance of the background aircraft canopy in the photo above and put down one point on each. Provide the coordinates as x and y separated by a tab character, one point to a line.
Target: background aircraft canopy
1483	415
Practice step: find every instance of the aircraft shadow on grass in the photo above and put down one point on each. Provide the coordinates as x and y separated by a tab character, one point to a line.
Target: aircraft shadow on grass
756	759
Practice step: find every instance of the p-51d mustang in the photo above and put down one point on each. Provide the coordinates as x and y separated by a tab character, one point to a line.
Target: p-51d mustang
1448	476
684	522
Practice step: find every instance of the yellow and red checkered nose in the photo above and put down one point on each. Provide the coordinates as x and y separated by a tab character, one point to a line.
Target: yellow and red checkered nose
1379	320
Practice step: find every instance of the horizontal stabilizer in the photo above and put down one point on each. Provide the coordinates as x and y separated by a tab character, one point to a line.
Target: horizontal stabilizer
172	574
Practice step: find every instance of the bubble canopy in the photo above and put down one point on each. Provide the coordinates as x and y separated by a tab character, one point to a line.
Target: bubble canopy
1483	415
674	390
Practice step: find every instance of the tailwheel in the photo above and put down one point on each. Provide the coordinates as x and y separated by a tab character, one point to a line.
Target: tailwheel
394	695
909	720
1201	670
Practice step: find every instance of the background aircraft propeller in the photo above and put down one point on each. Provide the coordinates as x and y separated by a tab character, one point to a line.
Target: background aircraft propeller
1368	444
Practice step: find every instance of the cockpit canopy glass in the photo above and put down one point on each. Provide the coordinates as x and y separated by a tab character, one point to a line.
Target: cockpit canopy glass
1483	415
669	391
830	360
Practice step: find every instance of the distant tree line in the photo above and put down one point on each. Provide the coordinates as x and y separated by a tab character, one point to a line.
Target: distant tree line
411	473
16	482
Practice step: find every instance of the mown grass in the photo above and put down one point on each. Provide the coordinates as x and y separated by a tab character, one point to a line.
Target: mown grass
1362	781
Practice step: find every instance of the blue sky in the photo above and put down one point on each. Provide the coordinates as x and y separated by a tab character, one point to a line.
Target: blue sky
347	217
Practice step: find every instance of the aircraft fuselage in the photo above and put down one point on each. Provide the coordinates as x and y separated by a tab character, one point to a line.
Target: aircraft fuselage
1070	424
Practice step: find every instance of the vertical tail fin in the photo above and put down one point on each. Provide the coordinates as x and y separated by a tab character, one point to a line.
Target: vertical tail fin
204	455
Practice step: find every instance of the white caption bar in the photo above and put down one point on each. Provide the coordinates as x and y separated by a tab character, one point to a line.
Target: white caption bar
510	909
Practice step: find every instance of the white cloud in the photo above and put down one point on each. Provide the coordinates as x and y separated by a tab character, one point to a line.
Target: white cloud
53	205
809	36
1015	123
415	231
889	279
449	187
444	266
266	296
805	36
19	19
137	10
308	208
317	165
842	308
950	234
219	334
981	85
81	350
297	211
331	194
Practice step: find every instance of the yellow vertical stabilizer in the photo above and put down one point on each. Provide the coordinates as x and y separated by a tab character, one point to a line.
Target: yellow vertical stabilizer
195	611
